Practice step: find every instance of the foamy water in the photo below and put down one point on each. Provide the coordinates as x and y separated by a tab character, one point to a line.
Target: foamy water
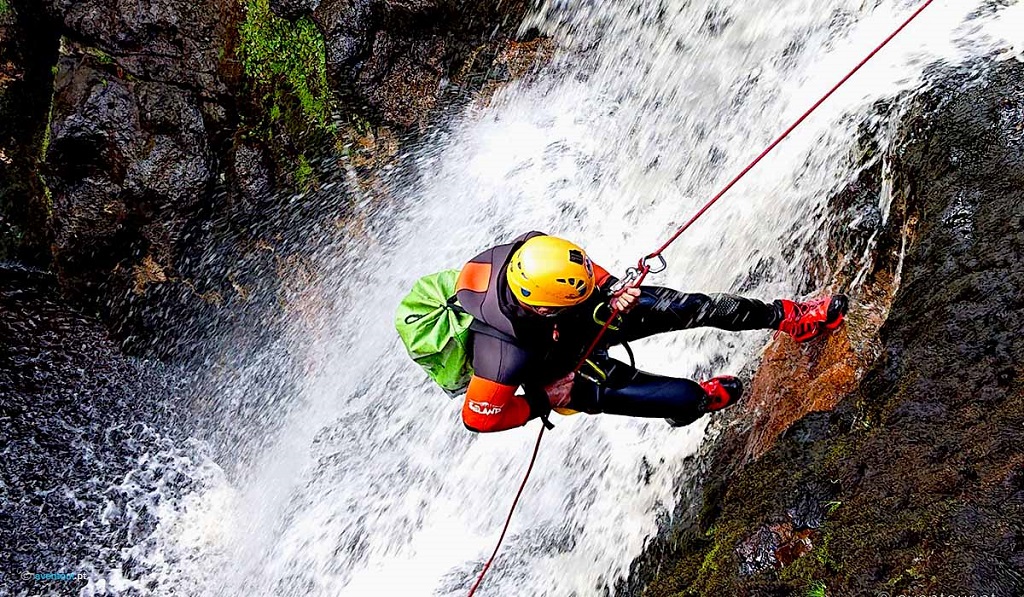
372	486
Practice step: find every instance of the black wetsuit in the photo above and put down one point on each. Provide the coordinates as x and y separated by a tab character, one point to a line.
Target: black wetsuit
513	347
628	391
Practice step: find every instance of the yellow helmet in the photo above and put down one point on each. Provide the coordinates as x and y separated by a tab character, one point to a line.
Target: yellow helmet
547	271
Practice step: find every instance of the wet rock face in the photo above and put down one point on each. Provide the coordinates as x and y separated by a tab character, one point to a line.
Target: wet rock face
173	41
138	112
129	162
399	55
913	483
947	394
291	9
172	120
774	546
254	174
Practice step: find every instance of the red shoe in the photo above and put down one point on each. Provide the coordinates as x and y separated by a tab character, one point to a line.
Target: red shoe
806	321
722	391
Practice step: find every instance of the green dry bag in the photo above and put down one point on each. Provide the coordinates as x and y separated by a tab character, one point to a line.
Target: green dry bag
435	330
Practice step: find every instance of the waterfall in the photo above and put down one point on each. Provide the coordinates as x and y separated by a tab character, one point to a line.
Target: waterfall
370	484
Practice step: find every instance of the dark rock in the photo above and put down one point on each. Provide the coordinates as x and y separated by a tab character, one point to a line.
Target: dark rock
812	428
253	174
138	111
28	48
128	163
773	546
348	28
291	9
928	497
915	410
172	41
402	78
399	55
809	507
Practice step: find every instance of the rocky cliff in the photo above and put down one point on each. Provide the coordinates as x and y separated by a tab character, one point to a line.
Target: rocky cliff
180	132
165	158
907	475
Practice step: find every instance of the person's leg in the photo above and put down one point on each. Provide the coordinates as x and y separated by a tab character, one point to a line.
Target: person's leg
660	310
619	389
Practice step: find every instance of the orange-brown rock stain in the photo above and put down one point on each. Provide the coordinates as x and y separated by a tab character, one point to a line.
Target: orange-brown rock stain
796	379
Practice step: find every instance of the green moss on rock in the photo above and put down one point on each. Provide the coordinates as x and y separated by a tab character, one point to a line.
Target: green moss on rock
817	589
278	54
303	173
290	103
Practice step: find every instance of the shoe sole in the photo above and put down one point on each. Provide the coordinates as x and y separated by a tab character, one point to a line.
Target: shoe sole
736	390
837	308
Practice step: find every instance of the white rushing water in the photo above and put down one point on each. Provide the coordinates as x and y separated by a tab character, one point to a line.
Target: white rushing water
373	486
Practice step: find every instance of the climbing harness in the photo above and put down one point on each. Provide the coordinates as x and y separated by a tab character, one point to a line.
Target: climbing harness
655	262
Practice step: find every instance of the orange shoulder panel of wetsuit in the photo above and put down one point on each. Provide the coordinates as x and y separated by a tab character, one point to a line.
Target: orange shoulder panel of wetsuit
601	275
492	406
474	277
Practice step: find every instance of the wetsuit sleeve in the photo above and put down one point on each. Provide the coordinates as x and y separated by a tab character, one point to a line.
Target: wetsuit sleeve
602	277
491	403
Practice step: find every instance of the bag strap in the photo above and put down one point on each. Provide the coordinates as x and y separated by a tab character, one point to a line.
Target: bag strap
479	326
453	304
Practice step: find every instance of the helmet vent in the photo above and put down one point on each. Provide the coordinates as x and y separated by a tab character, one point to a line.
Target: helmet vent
576	256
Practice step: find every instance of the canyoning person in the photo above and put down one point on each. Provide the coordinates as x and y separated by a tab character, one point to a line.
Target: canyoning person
538	302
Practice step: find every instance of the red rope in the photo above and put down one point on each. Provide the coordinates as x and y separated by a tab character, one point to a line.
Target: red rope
644	268
522	486
790	130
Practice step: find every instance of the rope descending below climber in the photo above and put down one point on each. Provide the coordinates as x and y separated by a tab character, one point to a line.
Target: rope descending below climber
805	321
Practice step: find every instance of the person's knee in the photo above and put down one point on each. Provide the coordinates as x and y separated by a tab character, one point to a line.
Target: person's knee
585	396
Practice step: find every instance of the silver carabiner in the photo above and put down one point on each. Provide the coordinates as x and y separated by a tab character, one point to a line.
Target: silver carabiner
632	275
662	265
